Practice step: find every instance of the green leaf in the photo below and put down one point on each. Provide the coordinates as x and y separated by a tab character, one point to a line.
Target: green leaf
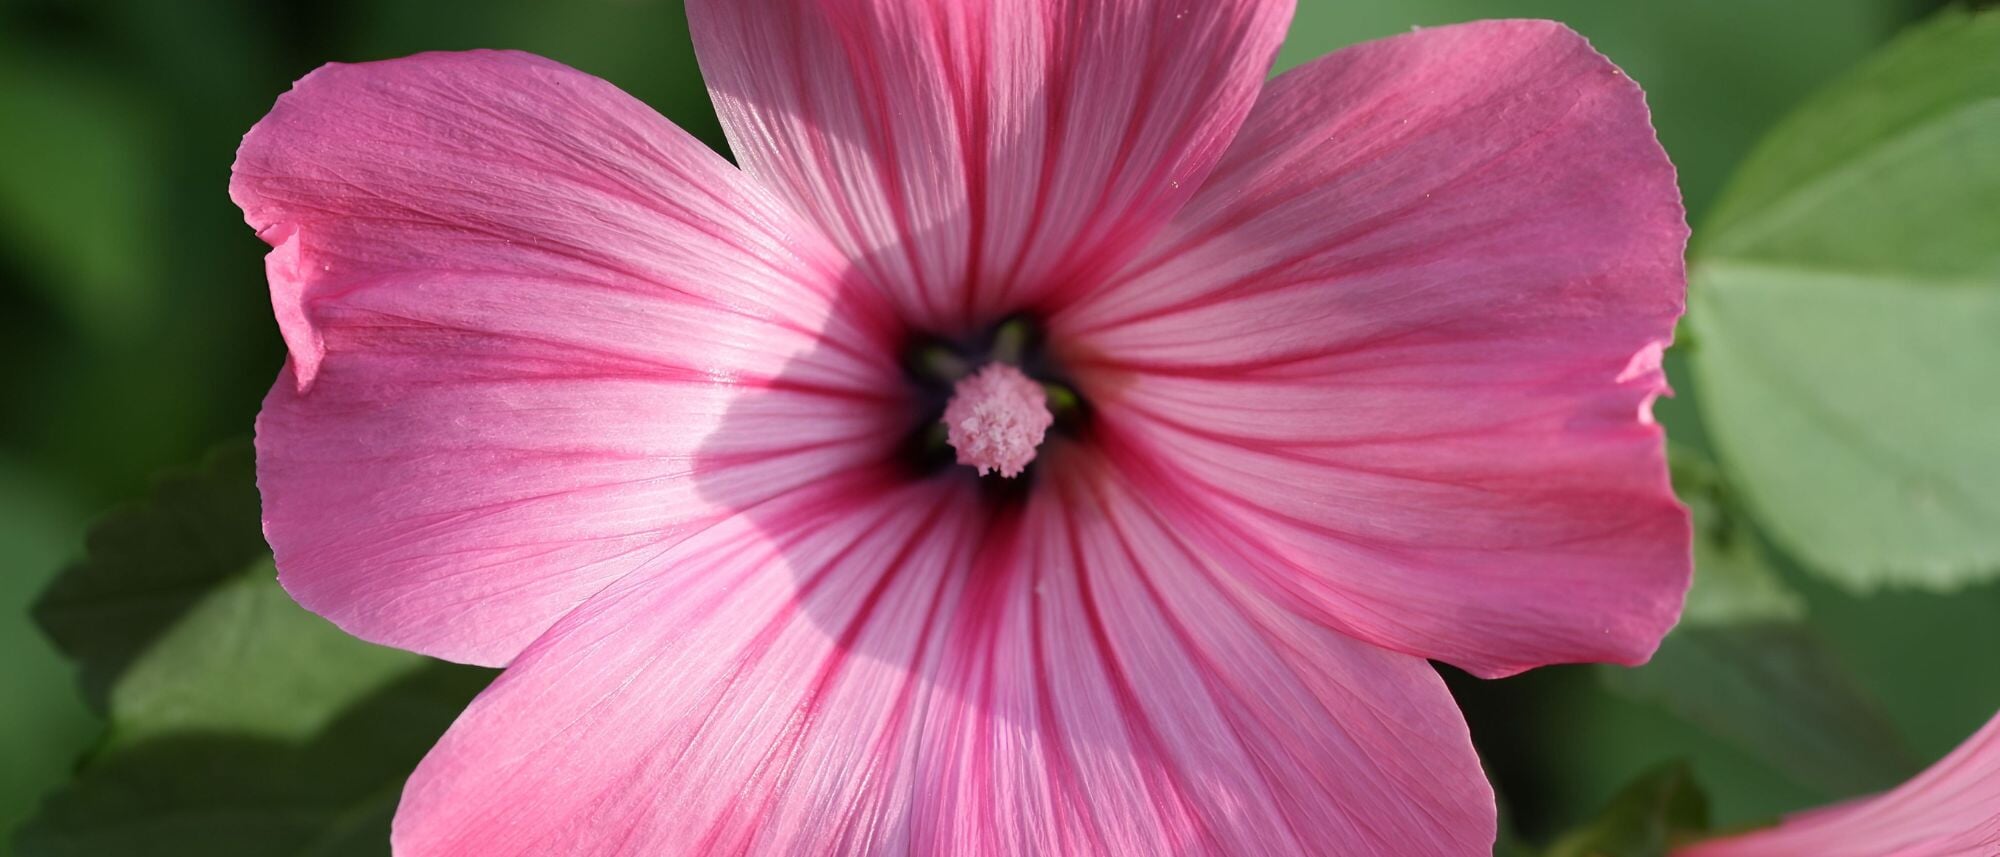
1733	579
1846	306
1779	694
1659	810
223	794
1755	60
148	564
42	722
1931	77
239	723
1743	667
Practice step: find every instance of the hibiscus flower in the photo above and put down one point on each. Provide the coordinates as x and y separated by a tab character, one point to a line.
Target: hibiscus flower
1054	438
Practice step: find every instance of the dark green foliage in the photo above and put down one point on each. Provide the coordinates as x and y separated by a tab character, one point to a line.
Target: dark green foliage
1775	690
239	724
1659	810
151	562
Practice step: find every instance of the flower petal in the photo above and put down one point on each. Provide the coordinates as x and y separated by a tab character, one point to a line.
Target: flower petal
1950	810
901	673
1406	340
973	156
518	302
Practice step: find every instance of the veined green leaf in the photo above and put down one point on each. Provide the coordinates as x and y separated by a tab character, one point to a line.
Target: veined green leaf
239	723
1846	310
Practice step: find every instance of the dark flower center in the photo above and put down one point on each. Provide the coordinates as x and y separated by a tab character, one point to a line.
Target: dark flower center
936	368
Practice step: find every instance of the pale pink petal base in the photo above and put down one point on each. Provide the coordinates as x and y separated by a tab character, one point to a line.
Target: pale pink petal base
1076	680
1399	351
1951	809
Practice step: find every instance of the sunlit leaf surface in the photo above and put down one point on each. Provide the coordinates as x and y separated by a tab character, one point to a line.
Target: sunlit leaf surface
239	724
1846	318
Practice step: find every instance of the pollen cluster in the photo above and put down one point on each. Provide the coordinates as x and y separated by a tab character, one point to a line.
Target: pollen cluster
996	418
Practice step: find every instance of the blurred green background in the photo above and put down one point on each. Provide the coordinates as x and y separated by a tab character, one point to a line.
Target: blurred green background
135	330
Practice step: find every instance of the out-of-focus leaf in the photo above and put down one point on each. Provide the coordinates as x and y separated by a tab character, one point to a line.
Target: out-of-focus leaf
150	563
230	794
1715	71
1777	692
1938	73
1659	810
42	722
1743	666
642	48
1846	311
240	724
1733	580
1927	658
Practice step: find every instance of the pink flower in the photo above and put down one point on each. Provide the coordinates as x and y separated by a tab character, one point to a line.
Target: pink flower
1950	810
1352	379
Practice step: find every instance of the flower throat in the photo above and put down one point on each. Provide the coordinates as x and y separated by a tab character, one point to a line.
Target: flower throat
991	403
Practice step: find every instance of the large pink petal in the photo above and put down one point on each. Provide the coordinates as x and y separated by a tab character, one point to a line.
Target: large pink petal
1950	810
518	303
896	672
973	156
1402	348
